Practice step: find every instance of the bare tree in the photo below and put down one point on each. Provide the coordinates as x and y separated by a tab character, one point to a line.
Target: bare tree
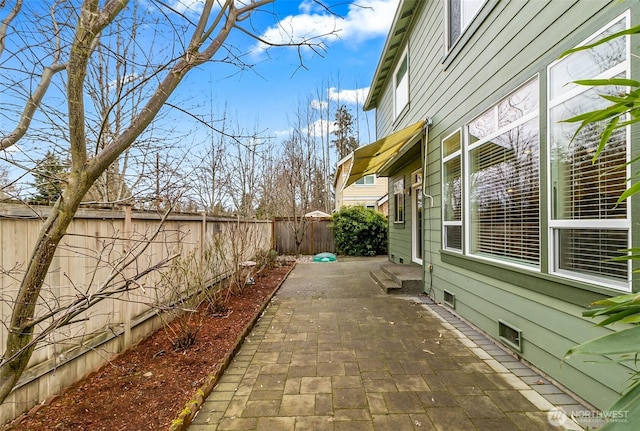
210	180
245	156
76	32
302	173
6	187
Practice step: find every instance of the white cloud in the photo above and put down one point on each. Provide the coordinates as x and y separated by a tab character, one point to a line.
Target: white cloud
124	80
357	96
365	19
368	19
319	104
182	6
316	129
319	128
349	97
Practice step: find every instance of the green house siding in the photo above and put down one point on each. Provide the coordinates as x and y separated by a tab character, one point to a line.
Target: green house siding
514	43
400	234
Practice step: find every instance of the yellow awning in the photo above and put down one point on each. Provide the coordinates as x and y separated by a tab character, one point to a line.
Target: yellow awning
369	159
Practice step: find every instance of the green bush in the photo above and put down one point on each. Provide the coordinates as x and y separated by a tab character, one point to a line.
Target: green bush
359	231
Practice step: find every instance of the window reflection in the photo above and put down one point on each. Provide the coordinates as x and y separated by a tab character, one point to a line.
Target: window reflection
504	190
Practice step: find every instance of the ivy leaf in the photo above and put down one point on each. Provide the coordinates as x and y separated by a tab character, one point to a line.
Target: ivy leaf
629	31
623	342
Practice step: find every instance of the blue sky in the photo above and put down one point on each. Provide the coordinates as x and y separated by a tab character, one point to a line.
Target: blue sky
264	97
268	95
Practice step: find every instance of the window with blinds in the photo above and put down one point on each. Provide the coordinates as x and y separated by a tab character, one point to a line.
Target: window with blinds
587	225
452	192
503	197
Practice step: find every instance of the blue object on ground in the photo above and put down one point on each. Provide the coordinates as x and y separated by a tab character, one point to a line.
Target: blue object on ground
324	257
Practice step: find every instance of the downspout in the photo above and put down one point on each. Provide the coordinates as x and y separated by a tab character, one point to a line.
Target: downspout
428	122
427	269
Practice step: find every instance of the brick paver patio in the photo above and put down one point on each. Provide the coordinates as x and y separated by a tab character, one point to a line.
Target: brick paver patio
334	353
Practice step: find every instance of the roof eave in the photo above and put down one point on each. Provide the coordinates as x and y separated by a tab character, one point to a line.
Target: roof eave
395	40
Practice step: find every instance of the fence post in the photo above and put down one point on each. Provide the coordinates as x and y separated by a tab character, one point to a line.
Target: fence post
203	236
126	304
311	238
274	243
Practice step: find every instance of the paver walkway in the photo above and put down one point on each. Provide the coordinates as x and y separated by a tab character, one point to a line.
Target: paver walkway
333	352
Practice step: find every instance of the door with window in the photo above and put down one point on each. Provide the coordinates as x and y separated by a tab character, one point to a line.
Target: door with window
417	240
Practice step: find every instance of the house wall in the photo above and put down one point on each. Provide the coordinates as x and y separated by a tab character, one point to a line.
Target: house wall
339	181
515	42
365	194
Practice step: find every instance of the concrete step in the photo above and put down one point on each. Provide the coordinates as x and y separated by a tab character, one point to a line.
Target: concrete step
408	276
382	279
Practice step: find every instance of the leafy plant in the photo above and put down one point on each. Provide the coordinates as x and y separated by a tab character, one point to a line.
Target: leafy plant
623	345
359	231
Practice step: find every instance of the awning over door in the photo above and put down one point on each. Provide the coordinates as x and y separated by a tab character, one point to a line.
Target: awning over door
369	159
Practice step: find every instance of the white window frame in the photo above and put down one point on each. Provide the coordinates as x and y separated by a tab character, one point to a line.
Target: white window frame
401	89
466	16
398	194
612	224
456	154
364	182
467	220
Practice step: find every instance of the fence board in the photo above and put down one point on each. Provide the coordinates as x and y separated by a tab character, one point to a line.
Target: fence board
317	238
96	241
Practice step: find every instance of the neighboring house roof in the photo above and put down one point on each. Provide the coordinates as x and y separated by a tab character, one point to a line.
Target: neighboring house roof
397	34
383	199
343	165
317	213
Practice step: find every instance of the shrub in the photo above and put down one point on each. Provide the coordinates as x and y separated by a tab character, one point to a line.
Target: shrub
359	231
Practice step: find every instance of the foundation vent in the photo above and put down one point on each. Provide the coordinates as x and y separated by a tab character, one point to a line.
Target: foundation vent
510	335
449	299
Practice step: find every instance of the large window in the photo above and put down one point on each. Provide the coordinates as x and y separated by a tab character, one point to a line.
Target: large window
401	85
587	226
452	192
398	200
459	15
503	153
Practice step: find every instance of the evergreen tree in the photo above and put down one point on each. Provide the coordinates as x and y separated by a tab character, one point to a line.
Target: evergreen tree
345	142
49	178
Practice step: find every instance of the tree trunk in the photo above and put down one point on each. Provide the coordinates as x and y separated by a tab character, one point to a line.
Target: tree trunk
20	332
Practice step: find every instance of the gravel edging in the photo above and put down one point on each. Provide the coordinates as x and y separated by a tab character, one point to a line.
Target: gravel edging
186	416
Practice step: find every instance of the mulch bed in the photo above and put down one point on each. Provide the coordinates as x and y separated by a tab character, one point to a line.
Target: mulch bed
147	386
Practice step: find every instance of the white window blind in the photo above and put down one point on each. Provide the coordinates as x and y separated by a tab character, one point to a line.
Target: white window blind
452	192
398	195
587	224
504	177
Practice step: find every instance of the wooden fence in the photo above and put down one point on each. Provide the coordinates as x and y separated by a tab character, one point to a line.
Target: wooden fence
90	259
317	237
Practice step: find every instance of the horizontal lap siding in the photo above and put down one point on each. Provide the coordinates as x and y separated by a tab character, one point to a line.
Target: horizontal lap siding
549	329
400	234
517	41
